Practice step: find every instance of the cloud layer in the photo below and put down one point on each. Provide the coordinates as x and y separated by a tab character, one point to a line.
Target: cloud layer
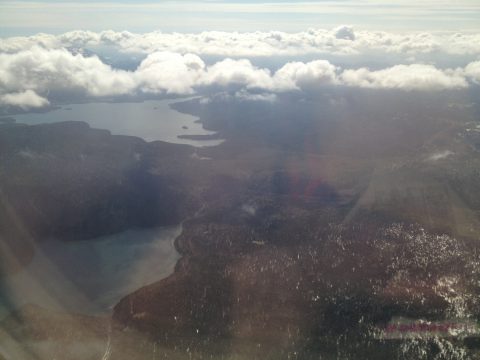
341	40
36	70
406	77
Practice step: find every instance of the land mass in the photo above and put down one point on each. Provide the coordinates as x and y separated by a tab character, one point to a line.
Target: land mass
304	233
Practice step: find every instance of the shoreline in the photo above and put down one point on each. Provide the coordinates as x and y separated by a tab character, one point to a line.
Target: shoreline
70	289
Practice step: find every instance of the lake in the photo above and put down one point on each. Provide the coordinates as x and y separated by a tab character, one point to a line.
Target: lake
91	276
150	120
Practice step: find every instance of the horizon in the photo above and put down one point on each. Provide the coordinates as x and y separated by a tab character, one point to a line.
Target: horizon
21	18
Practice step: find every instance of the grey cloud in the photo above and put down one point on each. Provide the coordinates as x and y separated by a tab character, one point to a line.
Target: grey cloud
344	32
242	95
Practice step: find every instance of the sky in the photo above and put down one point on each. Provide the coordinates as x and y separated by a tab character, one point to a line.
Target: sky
21	17
66	51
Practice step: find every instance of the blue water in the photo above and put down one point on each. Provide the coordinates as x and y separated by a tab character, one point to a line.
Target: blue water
150	120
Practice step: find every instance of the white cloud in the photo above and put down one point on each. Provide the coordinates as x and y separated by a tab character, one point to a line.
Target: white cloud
472	71
406	77
246	96
58	70
299	75
440	155
25	99
169	72
238	74
341	40
28	77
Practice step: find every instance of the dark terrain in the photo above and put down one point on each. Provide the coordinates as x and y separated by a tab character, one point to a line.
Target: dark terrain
304	233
